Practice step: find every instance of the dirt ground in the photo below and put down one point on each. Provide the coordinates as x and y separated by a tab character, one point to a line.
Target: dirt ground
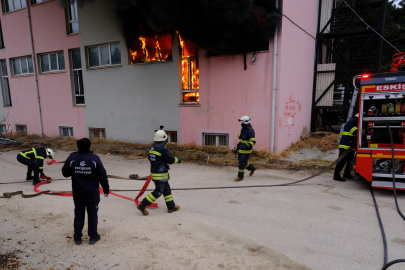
319	224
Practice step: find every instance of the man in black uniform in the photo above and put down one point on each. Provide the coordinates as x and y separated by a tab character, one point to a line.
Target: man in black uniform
159	156
245	147
87	173
347	141
34	158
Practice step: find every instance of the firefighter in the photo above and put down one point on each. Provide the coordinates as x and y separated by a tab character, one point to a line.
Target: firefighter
159	156
33	158
347	141
87	172
245	147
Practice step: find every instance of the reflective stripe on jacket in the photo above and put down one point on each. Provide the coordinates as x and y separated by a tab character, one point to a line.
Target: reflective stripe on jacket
36	154
349	134
159	157
247	139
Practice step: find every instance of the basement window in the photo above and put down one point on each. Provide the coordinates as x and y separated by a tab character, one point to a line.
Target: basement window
189	72
22	65
171	136
66	131
217	140
97	133
21	129
52	62
104	55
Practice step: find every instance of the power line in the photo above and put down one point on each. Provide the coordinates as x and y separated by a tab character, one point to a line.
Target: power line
298	26
370	26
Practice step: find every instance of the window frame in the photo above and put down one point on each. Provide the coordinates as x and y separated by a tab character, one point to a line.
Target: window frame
17	126
71	133
99	56
91	133
22	3
217	140
20	60
69	22
2	76
80	79
49	59
1	37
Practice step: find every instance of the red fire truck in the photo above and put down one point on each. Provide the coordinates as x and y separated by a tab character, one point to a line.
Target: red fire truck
381	103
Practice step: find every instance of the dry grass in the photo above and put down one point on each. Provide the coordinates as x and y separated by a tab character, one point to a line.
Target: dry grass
189	152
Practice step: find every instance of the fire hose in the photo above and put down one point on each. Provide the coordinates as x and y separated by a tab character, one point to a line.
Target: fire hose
195	188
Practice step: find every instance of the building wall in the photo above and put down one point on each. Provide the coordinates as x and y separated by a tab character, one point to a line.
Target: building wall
130	101
49	34
227	92
295	72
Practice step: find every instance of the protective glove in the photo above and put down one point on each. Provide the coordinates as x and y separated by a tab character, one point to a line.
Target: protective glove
178	160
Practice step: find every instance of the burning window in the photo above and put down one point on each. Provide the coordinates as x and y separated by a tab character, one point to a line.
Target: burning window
190	72
156	48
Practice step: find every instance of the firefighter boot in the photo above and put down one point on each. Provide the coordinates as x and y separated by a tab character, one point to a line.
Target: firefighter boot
29	177
176	208
35	182
252	169
237	179
338	178
141	207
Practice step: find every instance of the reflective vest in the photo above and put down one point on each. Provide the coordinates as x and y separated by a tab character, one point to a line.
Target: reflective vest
247	139
36	154
159	157
349	135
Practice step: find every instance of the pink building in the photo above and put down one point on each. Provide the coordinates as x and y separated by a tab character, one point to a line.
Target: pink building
54	38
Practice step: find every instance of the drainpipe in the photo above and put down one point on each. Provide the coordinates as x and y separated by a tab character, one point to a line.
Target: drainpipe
34	67
274	88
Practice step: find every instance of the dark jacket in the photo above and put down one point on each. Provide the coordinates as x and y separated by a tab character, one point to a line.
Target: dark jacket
36	154
247	139
159	156
87	173
349	134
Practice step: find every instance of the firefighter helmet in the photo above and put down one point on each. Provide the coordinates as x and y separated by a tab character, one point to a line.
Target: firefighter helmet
49	152
160	136
244	119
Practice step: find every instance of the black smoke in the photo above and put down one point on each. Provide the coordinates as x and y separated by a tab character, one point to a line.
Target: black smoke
221	26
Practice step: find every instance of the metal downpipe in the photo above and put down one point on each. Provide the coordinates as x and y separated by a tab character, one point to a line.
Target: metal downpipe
274	88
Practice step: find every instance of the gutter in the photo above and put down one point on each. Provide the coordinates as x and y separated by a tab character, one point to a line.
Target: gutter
274	88
34	65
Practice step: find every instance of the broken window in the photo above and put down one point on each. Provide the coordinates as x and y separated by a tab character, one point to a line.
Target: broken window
151	48
216	139
21	128
189	72
97	133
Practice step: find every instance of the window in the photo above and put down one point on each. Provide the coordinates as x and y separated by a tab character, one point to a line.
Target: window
77	76
22	65
154	49
190	72
104	55
97	133
216	139
11	5
51	62
66	131
33	2
4	84
1	37
21	128
171	137
72	18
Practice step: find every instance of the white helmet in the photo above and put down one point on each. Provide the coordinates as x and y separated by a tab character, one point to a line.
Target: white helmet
244	119
49	152
160	136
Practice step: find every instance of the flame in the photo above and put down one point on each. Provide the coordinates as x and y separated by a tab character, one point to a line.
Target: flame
143	45
133	55
184	69
191	97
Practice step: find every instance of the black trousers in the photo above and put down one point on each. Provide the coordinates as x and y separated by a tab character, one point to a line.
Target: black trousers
244	164
32	166
347	160
160	188
92	218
